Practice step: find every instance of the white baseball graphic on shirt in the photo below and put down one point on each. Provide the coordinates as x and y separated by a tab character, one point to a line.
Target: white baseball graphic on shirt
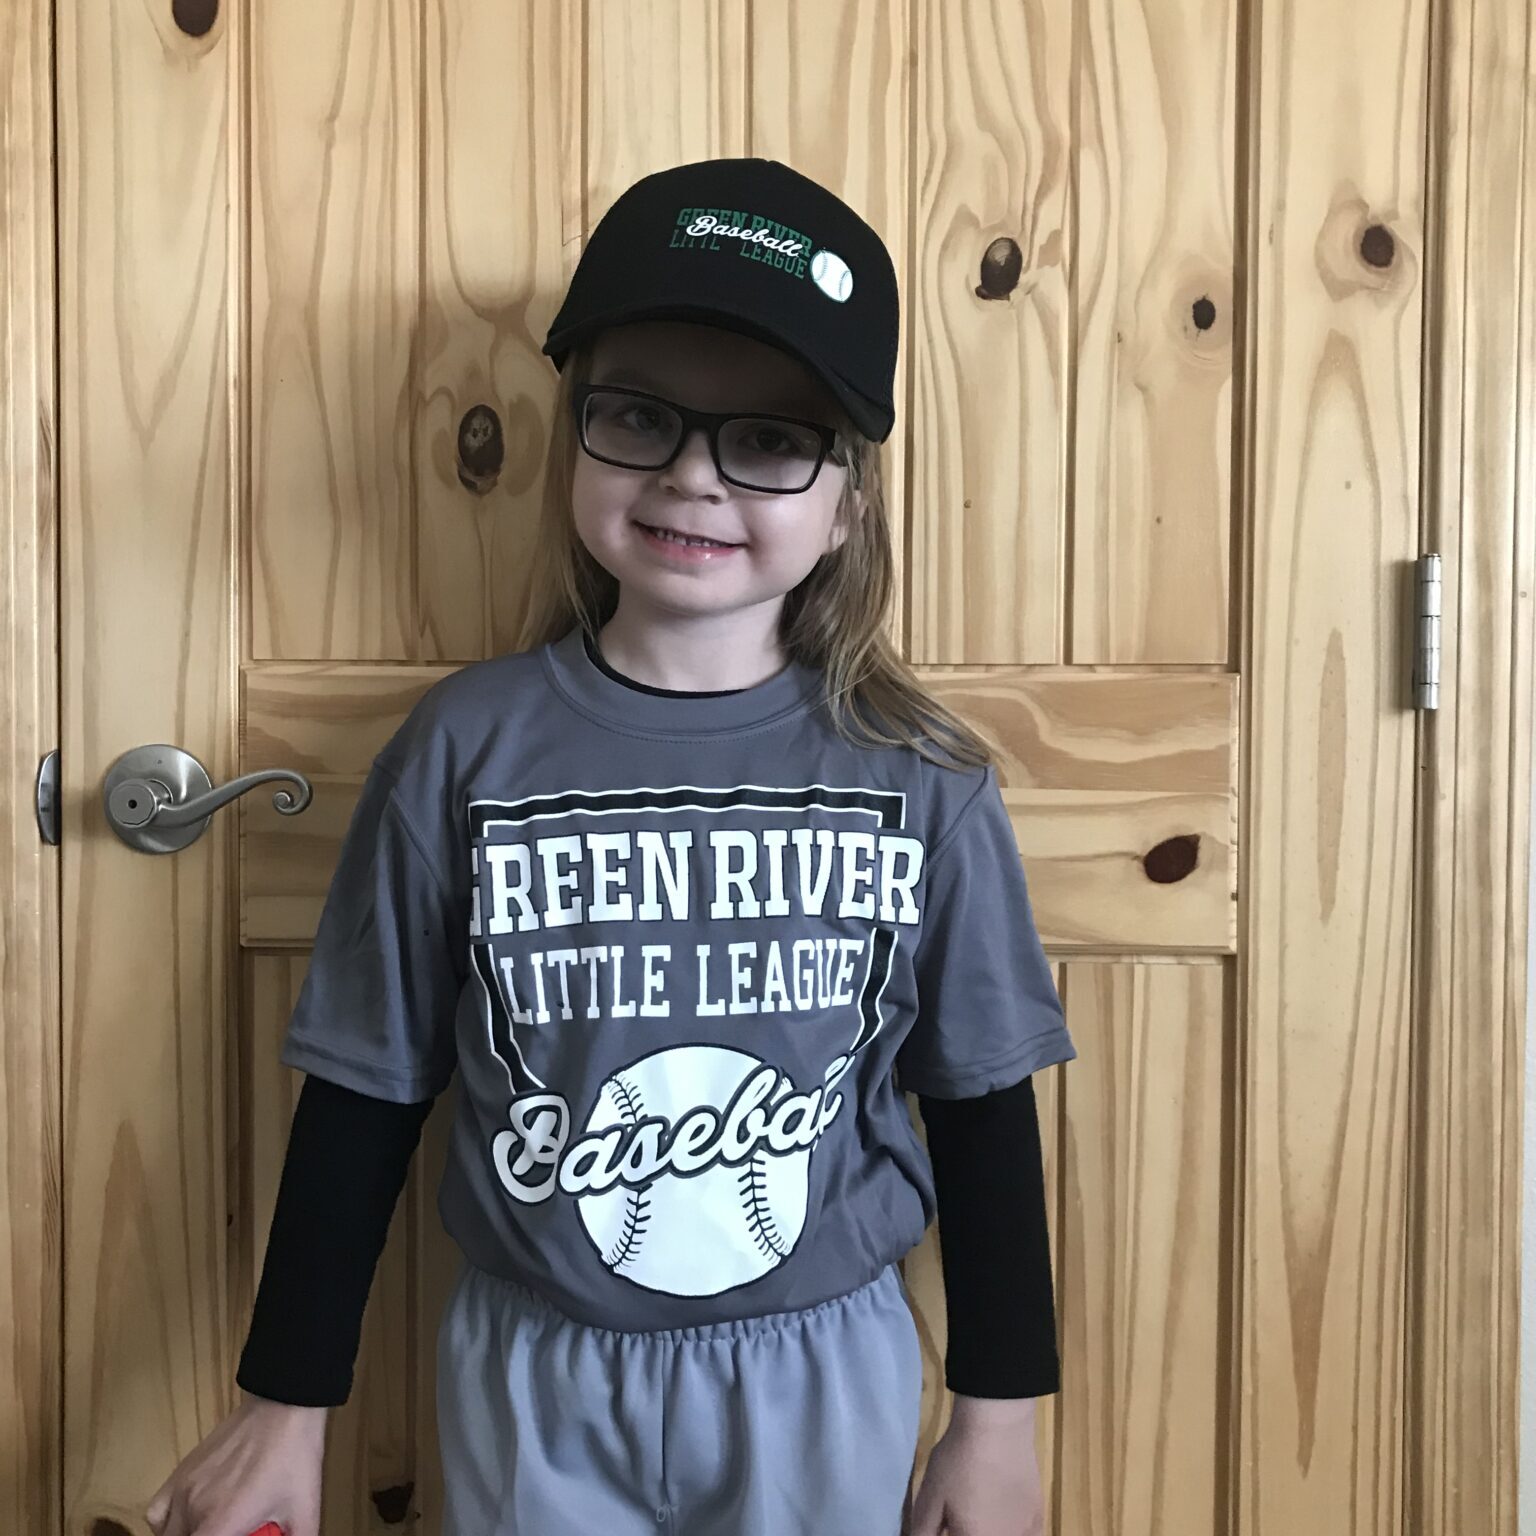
830	273
688	1165
695	1234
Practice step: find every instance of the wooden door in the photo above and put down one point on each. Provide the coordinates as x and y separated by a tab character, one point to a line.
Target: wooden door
1189	375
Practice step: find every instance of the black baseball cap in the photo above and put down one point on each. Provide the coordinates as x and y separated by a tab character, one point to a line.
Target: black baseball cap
753	246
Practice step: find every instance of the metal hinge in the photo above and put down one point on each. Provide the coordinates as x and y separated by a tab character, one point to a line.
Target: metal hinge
1426	645
47	797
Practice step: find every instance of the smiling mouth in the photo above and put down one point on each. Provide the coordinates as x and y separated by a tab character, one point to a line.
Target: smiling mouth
688	540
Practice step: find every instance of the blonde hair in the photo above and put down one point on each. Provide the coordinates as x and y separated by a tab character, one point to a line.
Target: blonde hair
833	620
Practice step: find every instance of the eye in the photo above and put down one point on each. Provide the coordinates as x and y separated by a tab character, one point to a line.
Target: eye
646	417
767	438
633	418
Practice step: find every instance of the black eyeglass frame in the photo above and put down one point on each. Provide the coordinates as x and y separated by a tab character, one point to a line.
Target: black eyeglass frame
711	422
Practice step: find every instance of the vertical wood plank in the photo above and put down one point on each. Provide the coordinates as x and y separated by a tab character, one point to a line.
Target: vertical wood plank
666	83
334	224
987	301
1337	224
1144	1252
1153	287
829	97
30	1260
144	388
1471	1026
502	90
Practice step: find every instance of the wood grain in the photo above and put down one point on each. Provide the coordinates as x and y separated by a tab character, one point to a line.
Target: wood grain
332	144
1121	786
988	306
1153	275
146	655
1475	755
327	721
836	107
31	1255
502	91
1146	1252
1324	982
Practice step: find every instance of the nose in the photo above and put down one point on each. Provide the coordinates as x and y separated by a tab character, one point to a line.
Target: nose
693	470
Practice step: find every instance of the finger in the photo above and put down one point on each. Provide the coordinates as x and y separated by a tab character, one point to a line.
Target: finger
177	1520
158	1507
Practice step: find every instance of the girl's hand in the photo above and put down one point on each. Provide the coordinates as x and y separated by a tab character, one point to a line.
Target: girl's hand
262	1463
982	1478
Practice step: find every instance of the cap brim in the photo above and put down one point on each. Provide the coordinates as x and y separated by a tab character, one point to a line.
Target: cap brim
871	418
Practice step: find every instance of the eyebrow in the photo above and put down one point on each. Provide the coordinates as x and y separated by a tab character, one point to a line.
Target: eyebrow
636	378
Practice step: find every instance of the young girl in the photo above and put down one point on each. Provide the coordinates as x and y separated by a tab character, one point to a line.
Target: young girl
731	882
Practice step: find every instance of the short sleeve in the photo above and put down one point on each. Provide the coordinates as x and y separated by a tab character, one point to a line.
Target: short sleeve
376	1010
988	1013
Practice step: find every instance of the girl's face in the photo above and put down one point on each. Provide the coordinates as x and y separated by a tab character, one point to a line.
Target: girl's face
778	538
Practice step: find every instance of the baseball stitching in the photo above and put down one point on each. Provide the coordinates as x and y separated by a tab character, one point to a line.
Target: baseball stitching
754	1195
637	1203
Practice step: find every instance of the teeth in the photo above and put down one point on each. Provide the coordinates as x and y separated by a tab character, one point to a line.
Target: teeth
678	538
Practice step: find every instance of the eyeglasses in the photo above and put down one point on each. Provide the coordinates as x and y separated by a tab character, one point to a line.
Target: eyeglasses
636	430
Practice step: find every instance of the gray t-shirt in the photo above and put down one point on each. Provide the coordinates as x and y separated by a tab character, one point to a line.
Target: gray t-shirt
685	953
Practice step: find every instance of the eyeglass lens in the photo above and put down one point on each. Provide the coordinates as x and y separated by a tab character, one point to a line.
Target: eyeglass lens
641	434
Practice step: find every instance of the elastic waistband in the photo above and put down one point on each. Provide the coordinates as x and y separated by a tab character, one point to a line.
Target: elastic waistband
885	1286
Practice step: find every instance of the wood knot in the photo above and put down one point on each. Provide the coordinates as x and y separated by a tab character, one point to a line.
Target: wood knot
1377	246
1361	249
1001	264
393	1503
1200	320
480	448
1172	859
195	17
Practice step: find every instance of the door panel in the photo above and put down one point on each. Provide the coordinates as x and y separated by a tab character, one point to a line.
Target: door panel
332	216
1144	1225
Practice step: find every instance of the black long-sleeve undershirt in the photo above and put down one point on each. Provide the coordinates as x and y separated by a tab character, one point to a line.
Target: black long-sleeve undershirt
348	1154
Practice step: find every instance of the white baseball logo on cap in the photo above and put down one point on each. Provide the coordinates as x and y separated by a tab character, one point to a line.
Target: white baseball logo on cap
830	273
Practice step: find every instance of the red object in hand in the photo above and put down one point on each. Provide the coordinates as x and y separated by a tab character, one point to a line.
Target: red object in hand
271	1528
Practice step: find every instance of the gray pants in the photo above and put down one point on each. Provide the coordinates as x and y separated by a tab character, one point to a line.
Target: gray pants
796	1424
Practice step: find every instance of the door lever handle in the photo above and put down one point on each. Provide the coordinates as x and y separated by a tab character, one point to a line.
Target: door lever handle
159	798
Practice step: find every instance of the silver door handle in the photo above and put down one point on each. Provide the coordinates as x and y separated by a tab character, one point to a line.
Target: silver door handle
159	799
